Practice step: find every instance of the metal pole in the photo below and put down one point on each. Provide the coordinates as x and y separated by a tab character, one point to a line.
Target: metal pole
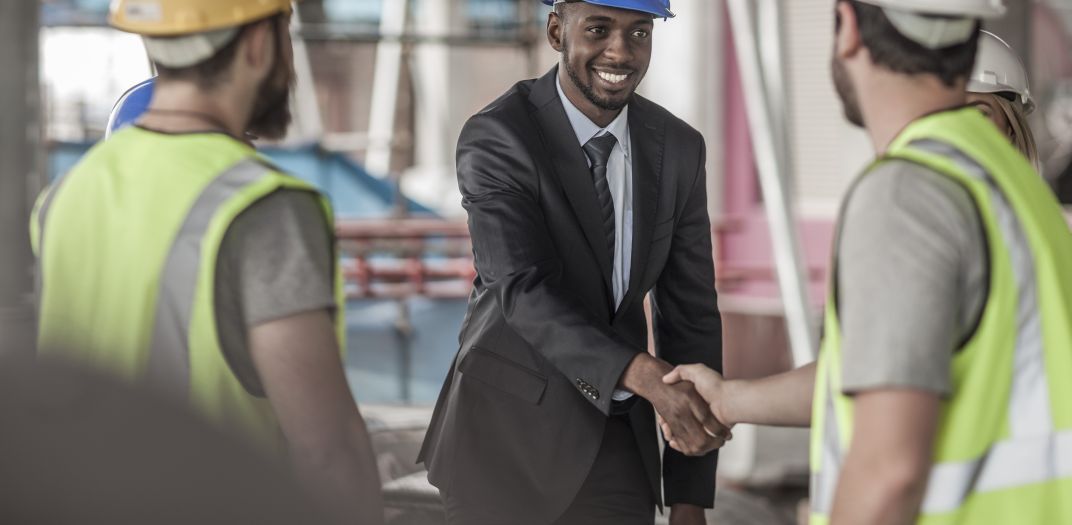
308	125
778	204
20	138
772	53
385	82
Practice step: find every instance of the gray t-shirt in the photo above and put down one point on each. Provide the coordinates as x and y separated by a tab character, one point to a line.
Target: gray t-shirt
912	278
276	260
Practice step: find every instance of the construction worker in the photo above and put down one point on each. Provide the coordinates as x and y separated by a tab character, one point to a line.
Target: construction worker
941	394
1000	88
175	255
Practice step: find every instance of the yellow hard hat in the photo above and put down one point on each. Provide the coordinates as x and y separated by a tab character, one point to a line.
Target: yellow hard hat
183	17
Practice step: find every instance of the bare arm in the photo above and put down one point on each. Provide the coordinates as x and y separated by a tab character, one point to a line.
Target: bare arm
886	468
780	400
299	363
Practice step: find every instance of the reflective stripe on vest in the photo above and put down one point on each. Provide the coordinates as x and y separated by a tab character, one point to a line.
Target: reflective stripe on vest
824	482
1033	453
169	357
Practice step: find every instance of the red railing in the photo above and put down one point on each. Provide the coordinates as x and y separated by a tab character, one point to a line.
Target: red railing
400	258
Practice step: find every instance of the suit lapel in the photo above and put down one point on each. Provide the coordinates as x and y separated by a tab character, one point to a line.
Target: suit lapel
571	167
647	137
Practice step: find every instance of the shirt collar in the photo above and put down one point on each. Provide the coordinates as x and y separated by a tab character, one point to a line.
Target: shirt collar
586	129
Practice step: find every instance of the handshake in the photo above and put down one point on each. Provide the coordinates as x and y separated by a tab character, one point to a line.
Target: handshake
687	400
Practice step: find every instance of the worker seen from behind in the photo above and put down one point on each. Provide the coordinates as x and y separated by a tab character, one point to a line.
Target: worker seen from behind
942	392
1000	88
175	255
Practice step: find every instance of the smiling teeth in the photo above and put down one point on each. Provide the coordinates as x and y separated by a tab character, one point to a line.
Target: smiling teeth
613	79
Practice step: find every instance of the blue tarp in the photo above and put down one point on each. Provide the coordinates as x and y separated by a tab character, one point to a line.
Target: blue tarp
354	193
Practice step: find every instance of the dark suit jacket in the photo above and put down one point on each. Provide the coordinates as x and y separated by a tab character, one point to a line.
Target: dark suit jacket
521	415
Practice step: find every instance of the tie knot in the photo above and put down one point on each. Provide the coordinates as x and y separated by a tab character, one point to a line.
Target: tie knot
598	149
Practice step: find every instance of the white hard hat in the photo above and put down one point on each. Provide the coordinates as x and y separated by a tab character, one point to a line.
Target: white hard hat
999	70
936	24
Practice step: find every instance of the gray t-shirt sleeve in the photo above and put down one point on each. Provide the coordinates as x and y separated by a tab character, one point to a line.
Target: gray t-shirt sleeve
912	270
275	261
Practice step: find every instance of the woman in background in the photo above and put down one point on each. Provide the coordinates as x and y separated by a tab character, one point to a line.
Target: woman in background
999	87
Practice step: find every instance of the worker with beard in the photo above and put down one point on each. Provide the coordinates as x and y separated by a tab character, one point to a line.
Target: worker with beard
582	197
174	255
941	393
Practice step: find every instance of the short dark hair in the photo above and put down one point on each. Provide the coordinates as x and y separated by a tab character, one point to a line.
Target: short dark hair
211	72
892	50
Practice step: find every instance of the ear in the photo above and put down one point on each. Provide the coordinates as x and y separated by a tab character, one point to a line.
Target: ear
259	45
847	41
554	31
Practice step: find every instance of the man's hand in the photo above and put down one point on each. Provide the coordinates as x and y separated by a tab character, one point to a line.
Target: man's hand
684	413
682	514
709	384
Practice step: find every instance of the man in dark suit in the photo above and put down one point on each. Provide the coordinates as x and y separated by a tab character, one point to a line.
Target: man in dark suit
582	198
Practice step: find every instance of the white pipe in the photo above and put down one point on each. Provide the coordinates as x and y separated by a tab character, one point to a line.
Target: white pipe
778	205
308	126
385	82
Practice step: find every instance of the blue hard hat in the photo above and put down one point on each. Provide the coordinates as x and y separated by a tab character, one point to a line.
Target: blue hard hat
130	106
657	8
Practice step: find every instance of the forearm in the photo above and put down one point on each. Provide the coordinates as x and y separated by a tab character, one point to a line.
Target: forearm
869	493
344	480
644	375
780	400
887	466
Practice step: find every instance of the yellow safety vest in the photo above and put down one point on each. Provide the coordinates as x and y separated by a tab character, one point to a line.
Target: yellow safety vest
1003	453
127	246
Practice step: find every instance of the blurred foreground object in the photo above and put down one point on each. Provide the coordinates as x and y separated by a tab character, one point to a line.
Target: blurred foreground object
20	175
78	447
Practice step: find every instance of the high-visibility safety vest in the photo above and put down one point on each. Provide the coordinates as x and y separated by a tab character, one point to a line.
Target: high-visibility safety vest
127	245
1003	452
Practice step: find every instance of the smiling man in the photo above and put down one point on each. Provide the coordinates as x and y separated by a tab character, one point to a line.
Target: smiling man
582	198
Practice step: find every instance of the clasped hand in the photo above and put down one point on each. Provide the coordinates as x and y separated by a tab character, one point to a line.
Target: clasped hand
693	422
688	422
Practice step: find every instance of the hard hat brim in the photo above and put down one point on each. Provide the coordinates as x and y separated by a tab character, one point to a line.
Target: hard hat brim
656	11
160	18
931	7
1027	101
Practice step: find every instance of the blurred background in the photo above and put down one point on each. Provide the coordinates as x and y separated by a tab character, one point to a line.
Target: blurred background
385	87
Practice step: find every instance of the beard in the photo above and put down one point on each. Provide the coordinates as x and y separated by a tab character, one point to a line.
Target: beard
850	102
588	92
271	110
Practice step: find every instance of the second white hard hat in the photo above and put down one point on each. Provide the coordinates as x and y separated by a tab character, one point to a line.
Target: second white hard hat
954	8
937	24
999	70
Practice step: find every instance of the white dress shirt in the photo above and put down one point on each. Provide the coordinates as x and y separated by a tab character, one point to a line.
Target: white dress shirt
620	181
